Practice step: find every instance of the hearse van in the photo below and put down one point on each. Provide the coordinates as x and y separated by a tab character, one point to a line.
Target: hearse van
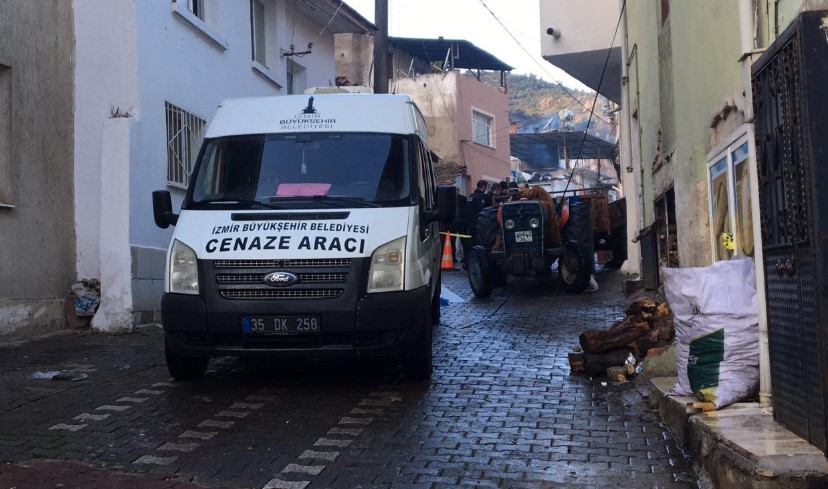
309	229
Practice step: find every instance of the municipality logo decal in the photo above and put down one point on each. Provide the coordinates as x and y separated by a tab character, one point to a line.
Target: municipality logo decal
309	109
309	118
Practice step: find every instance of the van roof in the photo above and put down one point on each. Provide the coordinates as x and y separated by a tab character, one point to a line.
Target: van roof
357	112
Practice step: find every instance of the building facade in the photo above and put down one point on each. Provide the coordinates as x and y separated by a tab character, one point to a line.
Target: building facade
468	120
37	235
687	139
147	77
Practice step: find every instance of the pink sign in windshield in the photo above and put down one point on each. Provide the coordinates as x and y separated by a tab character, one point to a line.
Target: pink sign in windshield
302	189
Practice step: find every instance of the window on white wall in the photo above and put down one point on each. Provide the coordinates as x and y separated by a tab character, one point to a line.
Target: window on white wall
482	127
196	7
184	134
729	184
257	32
6	197
201	15
296	77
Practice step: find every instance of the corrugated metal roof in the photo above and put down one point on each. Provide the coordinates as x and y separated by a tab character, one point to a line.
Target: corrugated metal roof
336	14
543	150
466	55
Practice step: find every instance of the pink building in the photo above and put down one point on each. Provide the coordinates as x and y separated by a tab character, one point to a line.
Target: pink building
468	120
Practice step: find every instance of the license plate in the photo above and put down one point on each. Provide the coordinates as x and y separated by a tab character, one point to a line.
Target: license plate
523	236
280	325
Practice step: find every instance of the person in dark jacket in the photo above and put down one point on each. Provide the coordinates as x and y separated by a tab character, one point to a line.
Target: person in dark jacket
458	225
476	203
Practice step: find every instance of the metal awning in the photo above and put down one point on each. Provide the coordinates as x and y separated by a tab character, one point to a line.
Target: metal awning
543	150
464	54
336	15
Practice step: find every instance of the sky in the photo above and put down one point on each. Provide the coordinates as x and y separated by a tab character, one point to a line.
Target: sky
470	20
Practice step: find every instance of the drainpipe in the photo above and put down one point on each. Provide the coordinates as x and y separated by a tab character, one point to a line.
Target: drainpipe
631	187
747	28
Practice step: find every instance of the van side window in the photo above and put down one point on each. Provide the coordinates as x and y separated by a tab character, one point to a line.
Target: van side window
426	178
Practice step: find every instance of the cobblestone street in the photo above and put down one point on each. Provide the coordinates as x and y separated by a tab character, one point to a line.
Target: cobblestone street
501	410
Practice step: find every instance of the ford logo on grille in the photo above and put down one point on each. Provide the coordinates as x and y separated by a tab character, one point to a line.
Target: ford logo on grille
280	279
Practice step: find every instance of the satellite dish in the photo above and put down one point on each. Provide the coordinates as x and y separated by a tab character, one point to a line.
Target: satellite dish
566	116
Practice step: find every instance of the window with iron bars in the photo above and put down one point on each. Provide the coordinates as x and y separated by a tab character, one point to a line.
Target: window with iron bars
184	134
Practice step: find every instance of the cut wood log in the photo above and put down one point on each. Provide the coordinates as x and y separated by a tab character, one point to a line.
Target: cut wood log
600	341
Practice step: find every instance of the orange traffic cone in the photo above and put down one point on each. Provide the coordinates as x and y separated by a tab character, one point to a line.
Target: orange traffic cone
447	263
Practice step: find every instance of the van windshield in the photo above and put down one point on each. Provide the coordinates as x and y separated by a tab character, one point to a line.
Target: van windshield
289	170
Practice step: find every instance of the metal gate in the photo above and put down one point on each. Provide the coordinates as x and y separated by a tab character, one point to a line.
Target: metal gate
790	93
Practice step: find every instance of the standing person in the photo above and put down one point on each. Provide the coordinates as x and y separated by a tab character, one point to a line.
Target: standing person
496	192
489	196
476	203
458	225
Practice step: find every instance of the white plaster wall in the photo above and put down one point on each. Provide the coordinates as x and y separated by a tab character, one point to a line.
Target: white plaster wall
584	26
115	311
178	63
105	77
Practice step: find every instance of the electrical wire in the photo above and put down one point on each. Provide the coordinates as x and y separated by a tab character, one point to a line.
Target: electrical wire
341	3
595	100
535	60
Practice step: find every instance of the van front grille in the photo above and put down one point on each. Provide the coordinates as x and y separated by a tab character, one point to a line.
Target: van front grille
315	279
258	278
241	294
301	263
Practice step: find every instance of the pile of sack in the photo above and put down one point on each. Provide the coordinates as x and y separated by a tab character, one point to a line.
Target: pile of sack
716	320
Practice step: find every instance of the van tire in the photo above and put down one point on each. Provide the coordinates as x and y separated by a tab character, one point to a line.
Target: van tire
184	368
417	358
435	301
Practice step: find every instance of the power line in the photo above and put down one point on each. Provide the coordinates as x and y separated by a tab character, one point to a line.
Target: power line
600	81
341	3
536	61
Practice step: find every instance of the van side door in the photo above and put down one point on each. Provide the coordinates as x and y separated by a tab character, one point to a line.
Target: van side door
430	242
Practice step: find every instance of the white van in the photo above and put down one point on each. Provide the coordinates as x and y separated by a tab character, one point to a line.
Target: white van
310	228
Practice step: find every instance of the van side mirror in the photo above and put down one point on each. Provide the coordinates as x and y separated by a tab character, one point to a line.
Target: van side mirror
446	203
162	209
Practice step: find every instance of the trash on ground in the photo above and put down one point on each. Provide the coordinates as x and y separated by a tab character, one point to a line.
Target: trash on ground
60	375
87	296
448	297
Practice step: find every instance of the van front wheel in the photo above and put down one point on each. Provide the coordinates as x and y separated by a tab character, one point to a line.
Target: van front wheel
417	358
182	367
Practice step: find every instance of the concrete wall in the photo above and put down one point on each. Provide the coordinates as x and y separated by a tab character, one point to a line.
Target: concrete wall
644	97
106	78
436	96
354	61
706	77
584	26
683	72
37	236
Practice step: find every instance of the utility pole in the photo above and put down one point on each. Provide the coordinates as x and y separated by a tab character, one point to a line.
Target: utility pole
381	46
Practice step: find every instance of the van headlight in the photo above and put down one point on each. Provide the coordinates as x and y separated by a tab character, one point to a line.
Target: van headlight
534	223
509	224
387	267
183	269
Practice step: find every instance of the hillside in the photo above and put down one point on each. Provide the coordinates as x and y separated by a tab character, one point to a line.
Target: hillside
534	104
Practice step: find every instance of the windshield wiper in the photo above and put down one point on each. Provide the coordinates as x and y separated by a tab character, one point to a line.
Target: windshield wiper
330	200
242	200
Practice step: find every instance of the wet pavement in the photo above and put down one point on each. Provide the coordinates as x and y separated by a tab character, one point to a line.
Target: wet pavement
501	410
